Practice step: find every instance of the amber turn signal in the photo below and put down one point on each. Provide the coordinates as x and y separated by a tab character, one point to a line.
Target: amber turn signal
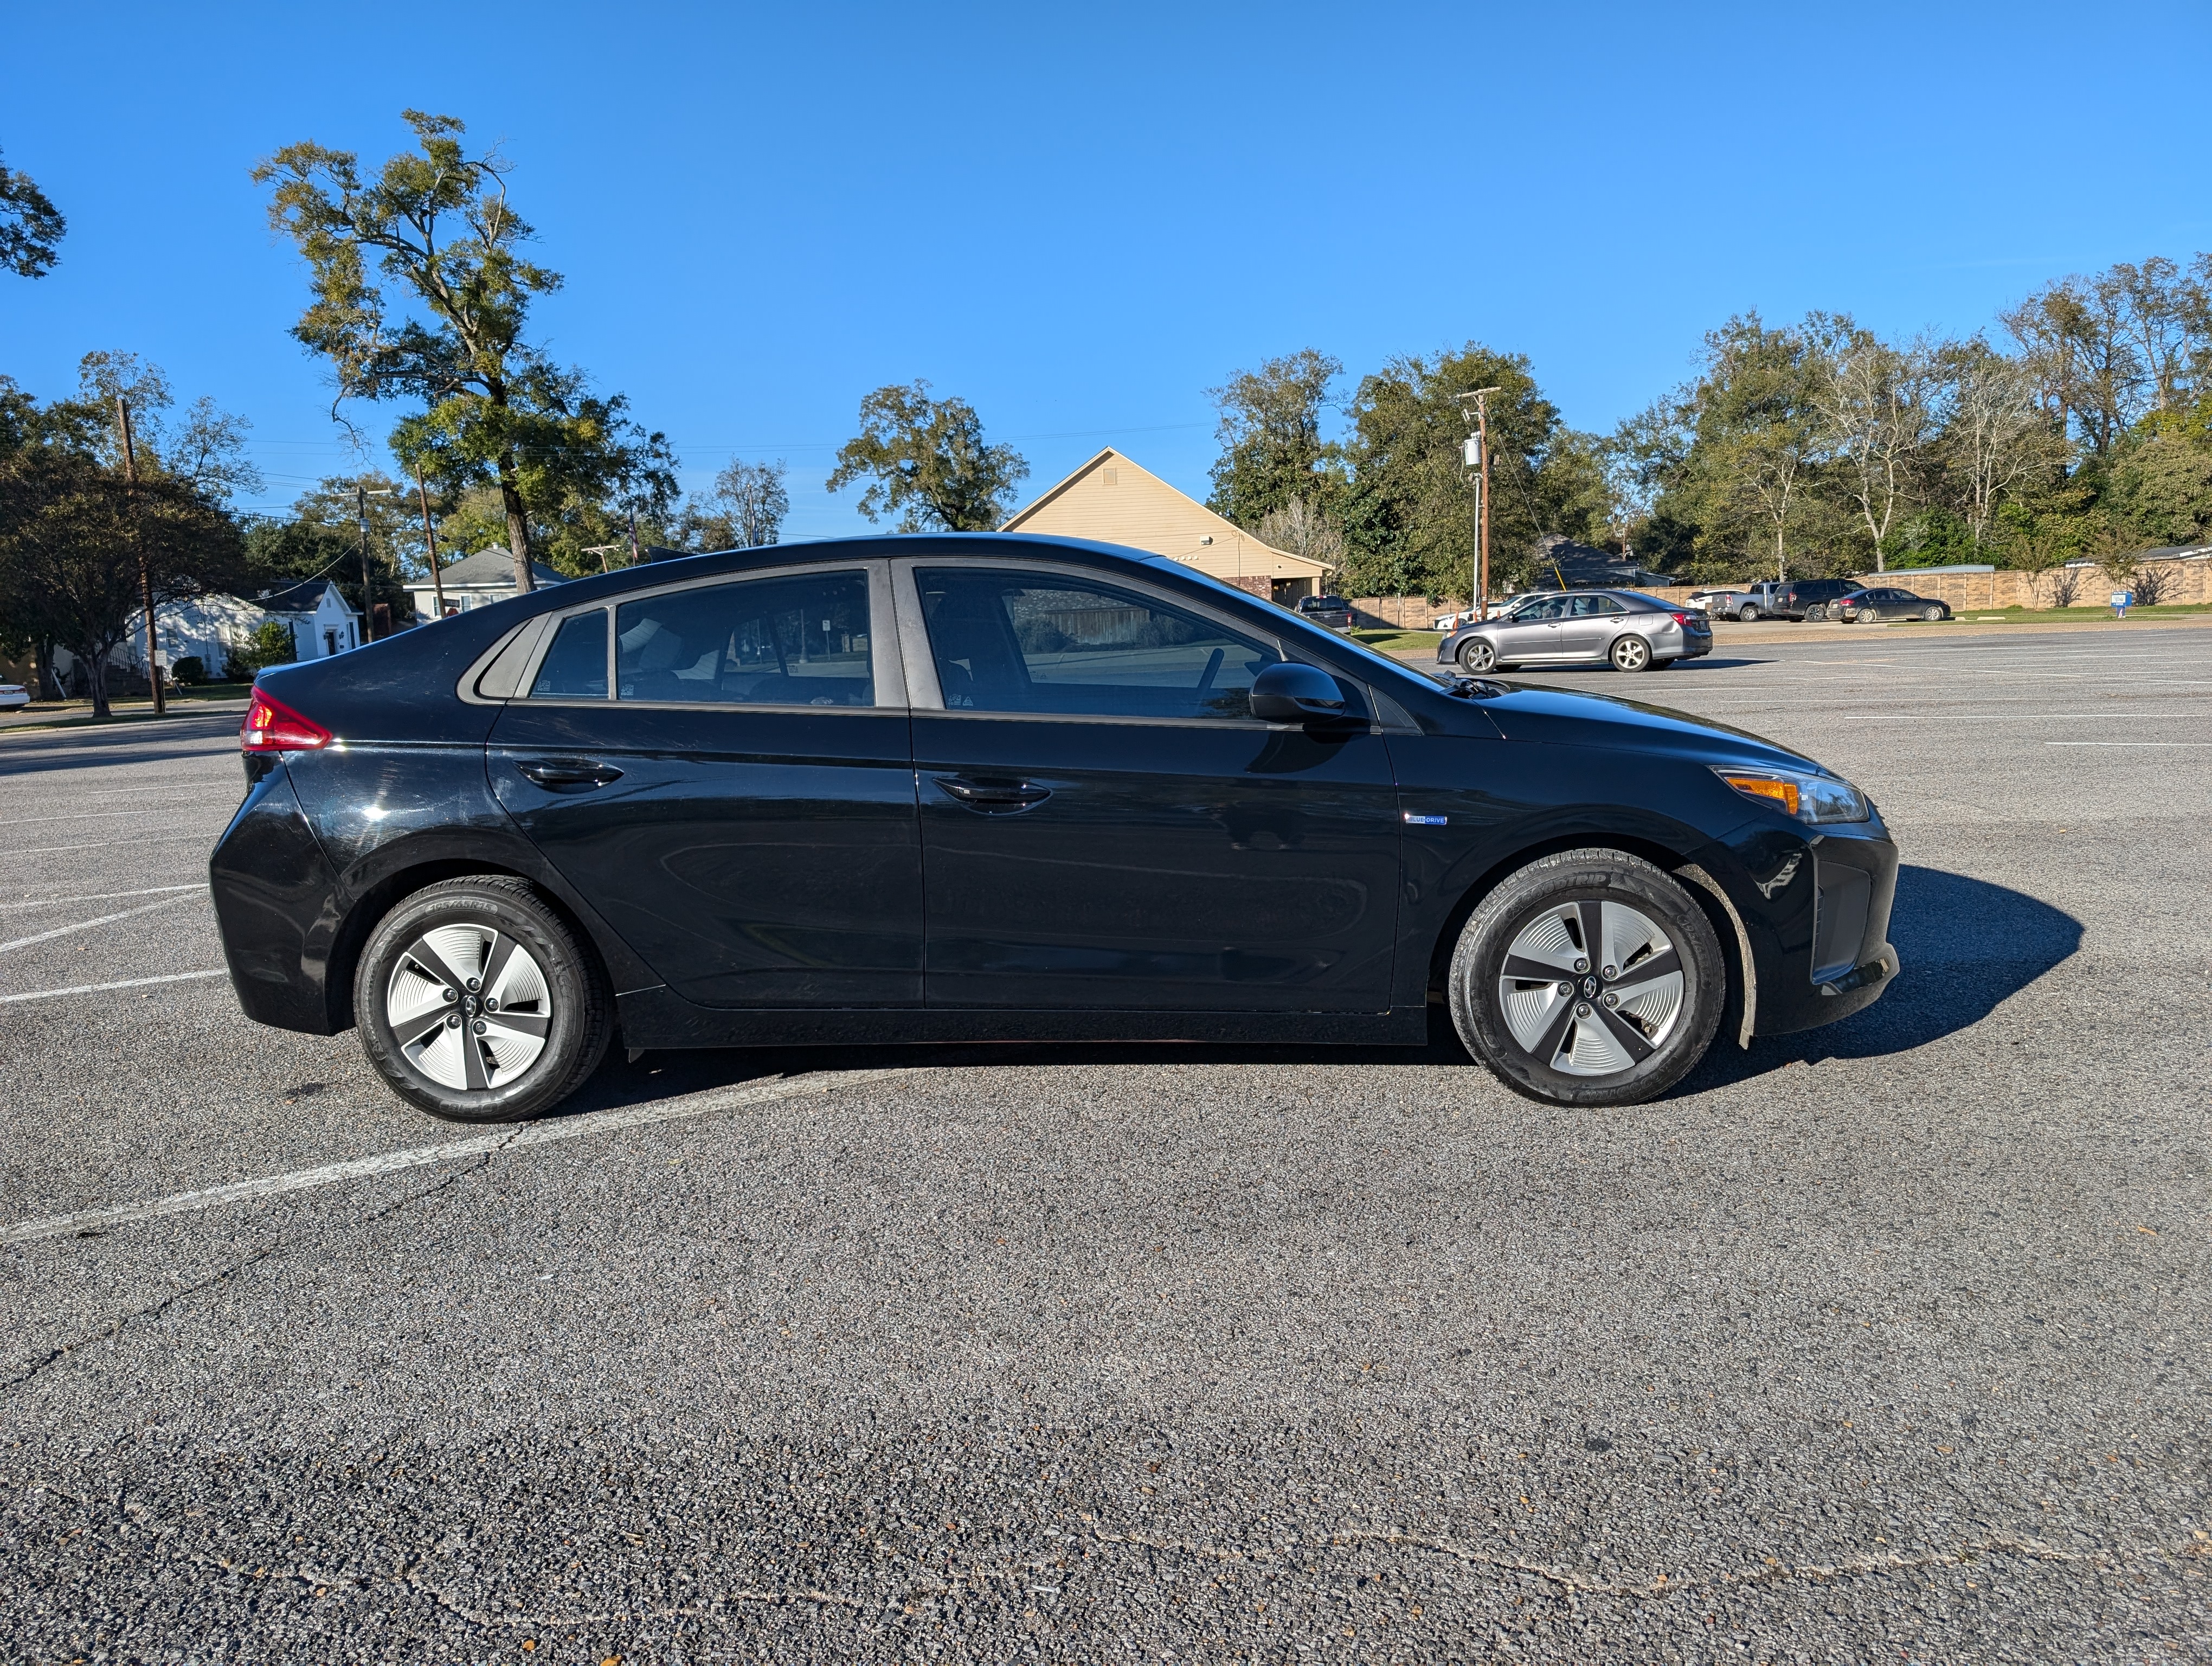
1784	793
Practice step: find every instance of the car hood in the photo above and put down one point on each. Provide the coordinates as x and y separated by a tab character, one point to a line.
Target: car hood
1556	717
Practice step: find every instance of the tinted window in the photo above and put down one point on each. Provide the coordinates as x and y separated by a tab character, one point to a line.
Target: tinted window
1586	607
1535	612
575	667
801	640
1011	642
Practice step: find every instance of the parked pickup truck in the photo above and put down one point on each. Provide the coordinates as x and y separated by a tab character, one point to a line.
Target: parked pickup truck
1799	598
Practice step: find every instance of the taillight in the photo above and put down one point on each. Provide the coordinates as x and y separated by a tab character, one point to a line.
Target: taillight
1681	618
271	726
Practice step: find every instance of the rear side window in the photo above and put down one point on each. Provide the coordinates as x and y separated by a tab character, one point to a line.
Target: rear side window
575	667
798	640
1042	643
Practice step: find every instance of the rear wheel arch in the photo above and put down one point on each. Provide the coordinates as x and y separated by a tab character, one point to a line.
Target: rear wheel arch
370	909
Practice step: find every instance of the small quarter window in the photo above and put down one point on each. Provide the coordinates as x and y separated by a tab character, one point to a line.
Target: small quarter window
575	667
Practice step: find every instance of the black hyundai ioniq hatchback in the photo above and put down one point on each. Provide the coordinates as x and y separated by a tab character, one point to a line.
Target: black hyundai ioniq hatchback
983	787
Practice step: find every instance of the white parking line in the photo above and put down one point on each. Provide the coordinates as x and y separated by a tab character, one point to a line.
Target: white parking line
2128	743
87	924
107	844
119	983
33	819
100	896
364	1168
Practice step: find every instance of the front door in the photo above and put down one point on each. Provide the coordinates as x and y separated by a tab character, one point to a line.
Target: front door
1105	826
737	798
1533	633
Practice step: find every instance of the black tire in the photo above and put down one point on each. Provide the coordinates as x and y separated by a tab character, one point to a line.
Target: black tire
1477	656
575	1014
1747	614
1631	653
1564	883
1932	615
1816	614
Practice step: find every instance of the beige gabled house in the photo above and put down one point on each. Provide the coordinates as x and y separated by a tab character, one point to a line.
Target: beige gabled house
1112	499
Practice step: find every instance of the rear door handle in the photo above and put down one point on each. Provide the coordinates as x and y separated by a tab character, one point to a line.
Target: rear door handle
560	772
993	798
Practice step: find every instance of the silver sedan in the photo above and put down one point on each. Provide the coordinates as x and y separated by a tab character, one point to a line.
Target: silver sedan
1624	628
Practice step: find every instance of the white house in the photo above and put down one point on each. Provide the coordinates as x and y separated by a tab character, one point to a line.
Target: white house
321	623
210	628
477	581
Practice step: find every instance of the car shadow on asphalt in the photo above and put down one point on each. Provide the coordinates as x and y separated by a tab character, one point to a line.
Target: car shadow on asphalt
1964	946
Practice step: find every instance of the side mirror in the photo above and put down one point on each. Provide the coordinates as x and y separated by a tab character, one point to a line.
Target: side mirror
1295	694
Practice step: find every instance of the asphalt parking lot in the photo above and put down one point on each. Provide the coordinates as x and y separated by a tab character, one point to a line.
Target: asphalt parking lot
1885	1342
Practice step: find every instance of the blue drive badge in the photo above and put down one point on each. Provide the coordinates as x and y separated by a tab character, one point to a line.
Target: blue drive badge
1413	819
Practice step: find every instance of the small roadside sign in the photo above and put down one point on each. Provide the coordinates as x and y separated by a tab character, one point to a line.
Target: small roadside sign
2122	601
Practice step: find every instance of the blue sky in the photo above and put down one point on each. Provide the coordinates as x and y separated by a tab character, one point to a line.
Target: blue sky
1081	218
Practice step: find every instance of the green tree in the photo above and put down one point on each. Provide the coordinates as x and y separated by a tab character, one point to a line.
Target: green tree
1407	509
72	536
437	226
1269	430
929	463
1738	457
31	227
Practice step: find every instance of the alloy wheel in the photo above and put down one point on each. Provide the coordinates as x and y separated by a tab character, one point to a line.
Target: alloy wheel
1591	989
469	1008
1631	653
1477	655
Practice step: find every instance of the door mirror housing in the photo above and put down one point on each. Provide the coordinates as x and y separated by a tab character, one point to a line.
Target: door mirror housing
1295	694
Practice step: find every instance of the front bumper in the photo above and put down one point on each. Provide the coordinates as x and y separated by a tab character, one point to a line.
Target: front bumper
1816	912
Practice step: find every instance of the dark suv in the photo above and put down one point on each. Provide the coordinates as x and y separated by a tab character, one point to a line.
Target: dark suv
1799	599
1329	612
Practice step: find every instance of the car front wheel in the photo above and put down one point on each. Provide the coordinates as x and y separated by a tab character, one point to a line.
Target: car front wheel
1747	614
1631	653
1931	614
1477	655
1588	978
1816	614
476	1002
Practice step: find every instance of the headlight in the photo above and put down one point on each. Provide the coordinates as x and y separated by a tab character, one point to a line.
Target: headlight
1815	799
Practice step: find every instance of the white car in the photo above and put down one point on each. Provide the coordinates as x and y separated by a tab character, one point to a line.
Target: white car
14	697
1498	610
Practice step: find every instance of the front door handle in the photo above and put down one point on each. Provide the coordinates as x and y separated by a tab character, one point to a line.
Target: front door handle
993	798
556	773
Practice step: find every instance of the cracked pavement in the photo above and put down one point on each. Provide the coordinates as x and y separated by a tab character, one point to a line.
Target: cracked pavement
1884	1342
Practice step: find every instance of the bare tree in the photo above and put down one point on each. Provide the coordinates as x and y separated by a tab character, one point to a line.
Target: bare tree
1875	417
206	451
1303	529
754	498
1995	433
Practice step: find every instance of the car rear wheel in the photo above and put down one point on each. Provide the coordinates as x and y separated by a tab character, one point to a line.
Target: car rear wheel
1629	652
476	1002
1477	655
1588	978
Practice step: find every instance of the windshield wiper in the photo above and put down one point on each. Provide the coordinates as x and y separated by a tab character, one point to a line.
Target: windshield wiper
1474	688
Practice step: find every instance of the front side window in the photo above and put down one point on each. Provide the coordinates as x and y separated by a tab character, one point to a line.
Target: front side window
1537	612
1040	643
799	641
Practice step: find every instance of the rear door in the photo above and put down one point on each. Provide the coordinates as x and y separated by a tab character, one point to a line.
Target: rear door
1105	826
1587	626
724	769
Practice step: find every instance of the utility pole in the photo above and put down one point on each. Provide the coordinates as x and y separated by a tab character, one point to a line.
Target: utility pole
430	541
635	555
362	493
1476	457
138	539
